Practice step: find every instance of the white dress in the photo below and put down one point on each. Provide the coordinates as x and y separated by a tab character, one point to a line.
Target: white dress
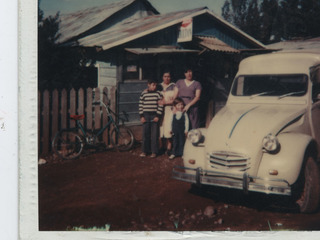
168	94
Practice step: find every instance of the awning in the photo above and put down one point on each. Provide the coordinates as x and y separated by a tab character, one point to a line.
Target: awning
215	44
140	51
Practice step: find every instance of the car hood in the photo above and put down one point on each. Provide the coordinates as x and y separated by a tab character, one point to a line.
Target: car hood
240	128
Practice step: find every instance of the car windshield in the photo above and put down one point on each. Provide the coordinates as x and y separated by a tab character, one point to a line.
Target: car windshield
270	85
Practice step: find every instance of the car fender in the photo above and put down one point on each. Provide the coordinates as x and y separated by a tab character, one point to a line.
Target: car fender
288	160
195	152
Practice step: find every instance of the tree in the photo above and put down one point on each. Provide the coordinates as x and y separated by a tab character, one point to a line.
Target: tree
243	14
47	49
310	11
274	20
299	19
270	22
226	11
61	66
292	20
252	19
235	11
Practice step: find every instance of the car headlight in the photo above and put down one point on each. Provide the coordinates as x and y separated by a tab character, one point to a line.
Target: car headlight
194	136
270	143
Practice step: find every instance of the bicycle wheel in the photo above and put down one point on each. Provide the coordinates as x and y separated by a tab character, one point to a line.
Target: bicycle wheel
67	144
122	138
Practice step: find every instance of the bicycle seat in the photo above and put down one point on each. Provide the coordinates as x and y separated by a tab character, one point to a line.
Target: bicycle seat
77	117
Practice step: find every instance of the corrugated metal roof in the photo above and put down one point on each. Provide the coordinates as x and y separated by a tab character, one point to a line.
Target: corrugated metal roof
81	21
215	44
76	23
139	51
313	43
131	30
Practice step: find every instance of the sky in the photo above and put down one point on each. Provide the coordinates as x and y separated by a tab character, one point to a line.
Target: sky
51	7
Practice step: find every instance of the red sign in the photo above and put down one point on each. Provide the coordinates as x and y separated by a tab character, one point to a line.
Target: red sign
185	32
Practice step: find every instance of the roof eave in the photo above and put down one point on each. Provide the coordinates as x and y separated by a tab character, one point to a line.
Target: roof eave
177	21
149	31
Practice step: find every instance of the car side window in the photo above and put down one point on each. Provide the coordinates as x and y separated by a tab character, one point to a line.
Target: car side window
315	78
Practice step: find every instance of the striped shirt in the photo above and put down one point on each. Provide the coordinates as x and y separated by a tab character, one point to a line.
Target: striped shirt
149	102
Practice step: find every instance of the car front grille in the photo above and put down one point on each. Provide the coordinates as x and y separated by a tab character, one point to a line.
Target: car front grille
229	160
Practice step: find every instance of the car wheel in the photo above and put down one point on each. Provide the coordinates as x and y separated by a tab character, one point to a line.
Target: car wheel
309	186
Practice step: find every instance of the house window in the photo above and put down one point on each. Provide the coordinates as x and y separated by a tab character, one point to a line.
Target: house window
131	71
140	67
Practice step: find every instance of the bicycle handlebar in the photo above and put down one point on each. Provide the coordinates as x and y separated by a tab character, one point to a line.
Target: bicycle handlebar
100	103
109	111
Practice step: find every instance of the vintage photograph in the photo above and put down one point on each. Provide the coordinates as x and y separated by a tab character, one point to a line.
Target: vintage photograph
178	115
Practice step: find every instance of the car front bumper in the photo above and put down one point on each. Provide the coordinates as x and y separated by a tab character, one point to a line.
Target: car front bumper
234	181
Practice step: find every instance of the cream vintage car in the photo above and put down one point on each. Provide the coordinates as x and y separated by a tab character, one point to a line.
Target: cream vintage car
267	137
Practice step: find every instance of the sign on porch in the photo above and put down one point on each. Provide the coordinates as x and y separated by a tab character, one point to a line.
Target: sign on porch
185	32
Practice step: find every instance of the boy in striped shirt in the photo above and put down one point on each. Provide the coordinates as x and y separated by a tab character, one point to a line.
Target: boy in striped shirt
150	112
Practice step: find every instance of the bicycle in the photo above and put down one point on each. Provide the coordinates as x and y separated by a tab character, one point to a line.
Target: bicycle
69	143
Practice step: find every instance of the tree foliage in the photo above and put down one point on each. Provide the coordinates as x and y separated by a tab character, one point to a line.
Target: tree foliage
243	14
60	66
270	29
274	20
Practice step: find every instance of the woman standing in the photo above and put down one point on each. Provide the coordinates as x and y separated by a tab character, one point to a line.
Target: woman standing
169	92
190	90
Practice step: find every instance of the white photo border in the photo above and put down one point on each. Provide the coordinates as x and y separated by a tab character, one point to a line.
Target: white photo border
28	156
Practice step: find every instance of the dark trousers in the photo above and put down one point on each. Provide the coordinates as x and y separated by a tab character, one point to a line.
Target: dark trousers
193	117
178	139
150	134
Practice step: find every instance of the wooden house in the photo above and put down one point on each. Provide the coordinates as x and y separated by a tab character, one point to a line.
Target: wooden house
132	42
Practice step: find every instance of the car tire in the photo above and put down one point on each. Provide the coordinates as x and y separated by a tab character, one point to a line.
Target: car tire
308	186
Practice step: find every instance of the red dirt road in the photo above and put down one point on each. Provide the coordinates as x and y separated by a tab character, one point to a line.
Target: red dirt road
130	193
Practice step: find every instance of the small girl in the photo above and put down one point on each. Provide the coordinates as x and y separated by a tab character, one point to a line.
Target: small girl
179	127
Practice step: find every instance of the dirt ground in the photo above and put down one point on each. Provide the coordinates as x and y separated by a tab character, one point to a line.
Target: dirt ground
127	193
